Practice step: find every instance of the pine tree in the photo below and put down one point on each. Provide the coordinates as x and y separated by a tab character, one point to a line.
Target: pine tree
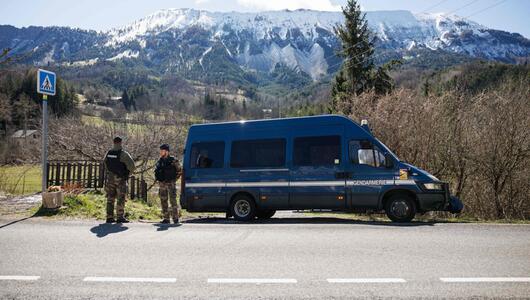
357	48
358	73
339	88
339	84
382	82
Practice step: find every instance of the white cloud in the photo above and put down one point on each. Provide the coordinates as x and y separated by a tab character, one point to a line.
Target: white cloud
288	4
199	2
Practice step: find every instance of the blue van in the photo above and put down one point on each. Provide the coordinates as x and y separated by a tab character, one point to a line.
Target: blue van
252	169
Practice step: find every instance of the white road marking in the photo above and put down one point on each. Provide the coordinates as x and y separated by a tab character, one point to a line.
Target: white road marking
130	279
17	277
485	279
251	280
366	280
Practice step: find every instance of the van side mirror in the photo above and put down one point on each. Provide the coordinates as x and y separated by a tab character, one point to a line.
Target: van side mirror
389	162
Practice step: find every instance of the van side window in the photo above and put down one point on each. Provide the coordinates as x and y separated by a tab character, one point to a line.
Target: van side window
316	151
207	155
365	153
266	153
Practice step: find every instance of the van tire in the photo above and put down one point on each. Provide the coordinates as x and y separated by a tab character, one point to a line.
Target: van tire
265	214
243	208
400	208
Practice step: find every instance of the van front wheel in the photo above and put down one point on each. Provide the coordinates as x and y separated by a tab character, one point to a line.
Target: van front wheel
243	208
400	208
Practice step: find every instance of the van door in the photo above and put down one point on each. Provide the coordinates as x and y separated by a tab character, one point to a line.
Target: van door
317	177
259	166
205	187
368	174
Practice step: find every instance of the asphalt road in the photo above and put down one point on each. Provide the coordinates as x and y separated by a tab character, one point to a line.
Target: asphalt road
280	258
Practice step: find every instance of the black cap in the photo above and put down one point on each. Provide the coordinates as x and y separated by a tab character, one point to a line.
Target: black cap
117	140
164	147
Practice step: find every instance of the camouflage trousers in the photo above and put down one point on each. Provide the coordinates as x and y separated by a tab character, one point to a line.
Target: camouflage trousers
116	188
168	190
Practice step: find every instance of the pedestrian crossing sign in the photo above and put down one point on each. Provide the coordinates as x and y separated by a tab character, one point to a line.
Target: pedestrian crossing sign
46	82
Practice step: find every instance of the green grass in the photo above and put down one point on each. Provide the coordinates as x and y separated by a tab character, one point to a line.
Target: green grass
20	180
93	206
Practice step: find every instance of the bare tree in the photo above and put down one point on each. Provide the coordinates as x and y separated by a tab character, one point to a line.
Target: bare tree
480	144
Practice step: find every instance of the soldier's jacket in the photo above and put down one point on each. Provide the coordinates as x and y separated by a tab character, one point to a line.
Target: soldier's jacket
125	158
162	163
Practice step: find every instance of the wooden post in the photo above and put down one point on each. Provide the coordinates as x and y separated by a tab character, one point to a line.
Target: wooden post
84	174
48	171
57	173
133	195
96	176
63	172
138	193
79	173
89	178
144	190
68	173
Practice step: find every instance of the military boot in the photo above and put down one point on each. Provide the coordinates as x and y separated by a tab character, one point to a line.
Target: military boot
122	220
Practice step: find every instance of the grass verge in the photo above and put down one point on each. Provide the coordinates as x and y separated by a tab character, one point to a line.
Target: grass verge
93	206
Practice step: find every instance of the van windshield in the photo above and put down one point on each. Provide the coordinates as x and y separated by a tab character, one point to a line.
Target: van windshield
386	149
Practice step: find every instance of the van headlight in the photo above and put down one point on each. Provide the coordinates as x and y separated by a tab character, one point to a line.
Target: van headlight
433	186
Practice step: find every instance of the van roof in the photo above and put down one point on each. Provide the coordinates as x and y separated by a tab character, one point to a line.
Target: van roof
264	123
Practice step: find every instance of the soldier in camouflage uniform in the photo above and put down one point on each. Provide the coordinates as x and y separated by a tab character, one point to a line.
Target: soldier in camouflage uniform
119	166
167	172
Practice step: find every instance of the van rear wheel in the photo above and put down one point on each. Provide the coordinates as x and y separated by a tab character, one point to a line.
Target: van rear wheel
265	214
243	208
400	208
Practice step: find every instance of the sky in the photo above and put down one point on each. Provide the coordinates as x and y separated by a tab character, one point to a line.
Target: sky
508	15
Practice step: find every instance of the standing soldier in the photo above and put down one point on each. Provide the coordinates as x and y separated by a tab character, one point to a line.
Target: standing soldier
167	171
119	166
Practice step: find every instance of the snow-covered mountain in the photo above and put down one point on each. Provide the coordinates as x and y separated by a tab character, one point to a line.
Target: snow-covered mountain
189	41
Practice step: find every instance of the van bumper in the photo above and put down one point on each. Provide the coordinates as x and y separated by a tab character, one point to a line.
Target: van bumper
455	205
440	201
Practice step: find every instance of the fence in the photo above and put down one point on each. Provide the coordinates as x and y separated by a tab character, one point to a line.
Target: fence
88	175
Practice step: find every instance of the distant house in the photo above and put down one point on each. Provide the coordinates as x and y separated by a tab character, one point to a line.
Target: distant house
26	135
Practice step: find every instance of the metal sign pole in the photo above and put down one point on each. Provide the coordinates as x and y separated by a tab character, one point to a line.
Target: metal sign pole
46	83
44	141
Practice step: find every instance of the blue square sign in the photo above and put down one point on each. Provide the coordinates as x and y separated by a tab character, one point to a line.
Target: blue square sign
46	82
